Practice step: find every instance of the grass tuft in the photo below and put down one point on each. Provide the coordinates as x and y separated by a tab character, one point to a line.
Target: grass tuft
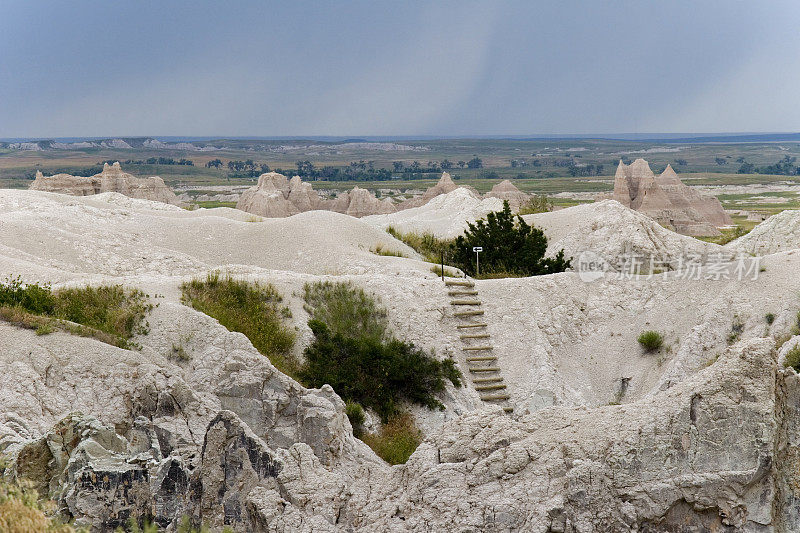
253	309
396	440
355	413
793	358
437	269
651	341
379	249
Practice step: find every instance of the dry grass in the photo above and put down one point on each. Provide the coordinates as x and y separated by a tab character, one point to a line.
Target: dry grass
22	512
379	249
396	440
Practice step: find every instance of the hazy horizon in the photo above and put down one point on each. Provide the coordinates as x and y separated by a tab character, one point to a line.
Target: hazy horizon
358	69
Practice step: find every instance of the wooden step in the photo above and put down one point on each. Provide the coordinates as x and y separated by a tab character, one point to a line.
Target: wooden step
465	302
463	326
471	312
495	397
508	409
462	293
485	369
481	358
476	336
476	348
487	380
459	283
490	387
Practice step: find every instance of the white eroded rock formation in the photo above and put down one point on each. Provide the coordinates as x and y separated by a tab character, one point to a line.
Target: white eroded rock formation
111	179
275	196
703	435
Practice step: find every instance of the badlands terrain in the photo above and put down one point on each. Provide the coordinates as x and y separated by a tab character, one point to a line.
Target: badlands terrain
596	434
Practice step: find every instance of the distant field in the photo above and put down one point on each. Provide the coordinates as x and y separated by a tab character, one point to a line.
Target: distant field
535	166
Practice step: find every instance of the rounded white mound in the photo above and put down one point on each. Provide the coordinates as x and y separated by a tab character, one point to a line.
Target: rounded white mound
93	235
778	233
445	216
614	232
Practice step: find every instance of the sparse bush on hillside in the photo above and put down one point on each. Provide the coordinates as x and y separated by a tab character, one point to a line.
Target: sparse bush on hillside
509	245
651	341
769	318
109	313
538	203
253	309
354	352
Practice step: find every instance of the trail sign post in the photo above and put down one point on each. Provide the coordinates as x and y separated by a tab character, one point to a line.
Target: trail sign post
477	250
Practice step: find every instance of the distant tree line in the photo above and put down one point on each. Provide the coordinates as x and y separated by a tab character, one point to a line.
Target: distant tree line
153	161
784	167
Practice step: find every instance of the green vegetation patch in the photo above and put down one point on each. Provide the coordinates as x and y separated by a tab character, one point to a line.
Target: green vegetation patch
254	309
793	358
510	246
651	341
396	440
427	245
354	353
110	313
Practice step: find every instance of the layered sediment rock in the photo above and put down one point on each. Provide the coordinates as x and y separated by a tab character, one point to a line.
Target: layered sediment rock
274	196
507	191
666	199
443	186
111	179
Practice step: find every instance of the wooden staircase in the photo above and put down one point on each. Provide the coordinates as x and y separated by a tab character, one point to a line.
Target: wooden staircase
482	363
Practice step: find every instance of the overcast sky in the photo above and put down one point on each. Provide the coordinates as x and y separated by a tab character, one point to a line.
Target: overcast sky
112	68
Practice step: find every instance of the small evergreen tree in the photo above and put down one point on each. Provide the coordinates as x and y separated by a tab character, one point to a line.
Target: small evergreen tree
509	245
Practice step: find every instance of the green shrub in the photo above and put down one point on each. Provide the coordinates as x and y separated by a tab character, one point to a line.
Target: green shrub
34	298
509	245
796	327
355	413
253	309
427	245
109	313
769	318
793	358
651	341
374	372
353	352
396	440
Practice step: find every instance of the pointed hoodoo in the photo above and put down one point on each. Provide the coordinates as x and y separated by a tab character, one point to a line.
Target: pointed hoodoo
666	199
507	191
